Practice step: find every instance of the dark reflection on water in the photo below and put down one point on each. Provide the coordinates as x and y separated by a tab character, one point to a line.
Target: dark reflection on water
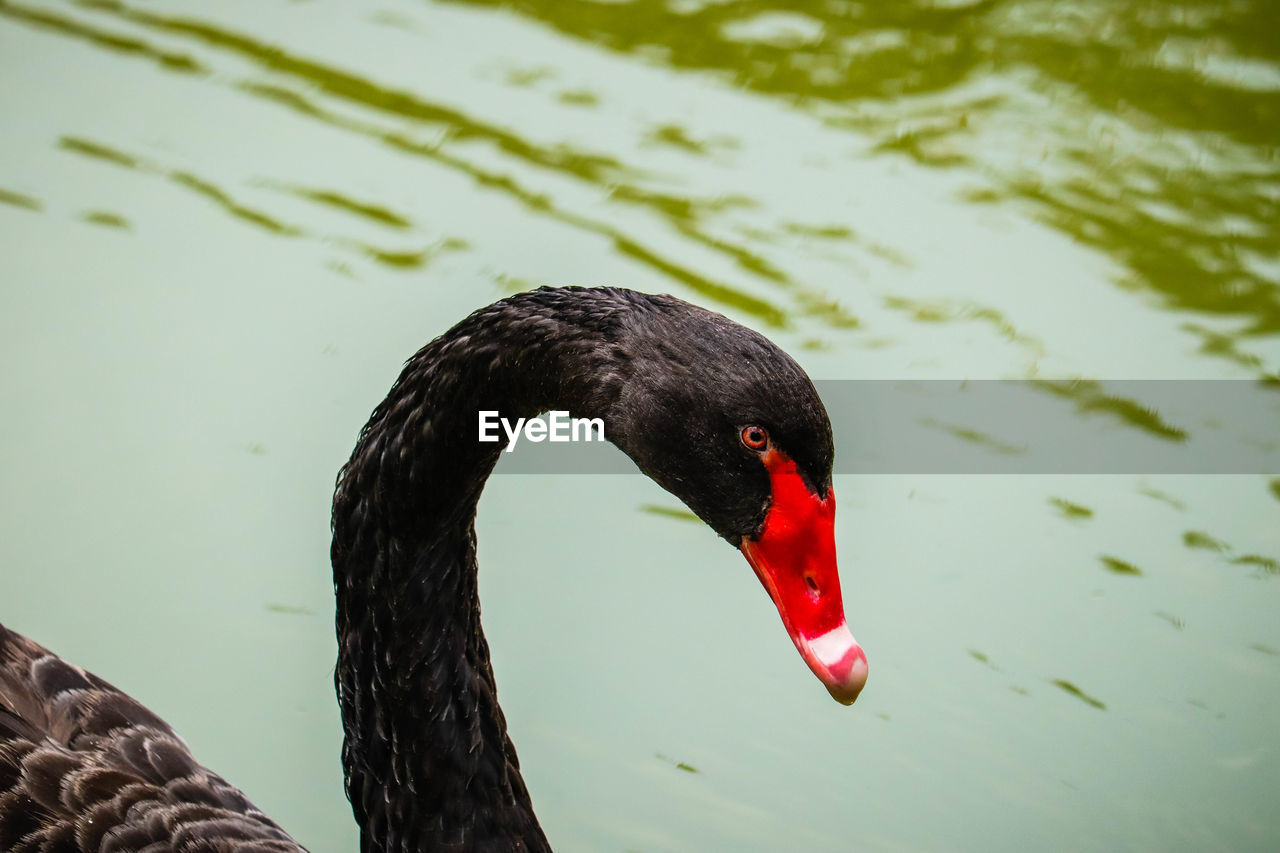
1162	497
1145	132
111	41
1267	565
99	151
105	218
1117	566
670	512
18	200
187	180
1090	396
1070	509
1068	687
332	198
1200	539
679	765
715	291
622	182
1159	149
394	258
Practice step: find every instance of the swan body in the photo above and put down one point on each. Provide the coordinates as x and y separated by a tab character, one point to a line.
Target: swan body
712	411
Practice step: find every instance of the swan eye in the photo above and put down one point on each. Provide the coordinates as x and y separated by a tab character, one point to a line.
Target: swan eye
755	438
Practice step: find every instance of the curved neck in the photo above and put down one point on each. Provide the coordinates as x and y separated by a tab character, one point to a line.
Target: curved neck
428	761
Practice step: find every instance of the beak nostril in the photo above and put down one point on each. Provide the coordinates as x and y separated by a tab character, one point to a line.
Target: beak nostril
812	584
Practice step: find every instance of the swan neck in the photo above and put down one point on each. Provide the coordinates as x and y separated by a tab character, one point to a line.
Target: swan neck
426	752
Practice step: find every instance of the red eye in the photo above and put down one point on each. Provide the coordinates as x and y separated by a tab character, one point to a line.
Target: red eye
755	437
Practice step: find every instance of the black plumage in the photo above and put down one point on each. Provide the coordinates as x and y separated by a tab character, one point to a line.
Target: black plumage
429	765
83	767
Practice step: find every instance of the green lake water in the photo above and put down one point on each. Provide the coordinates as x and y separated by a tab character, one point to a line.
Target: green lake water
223	227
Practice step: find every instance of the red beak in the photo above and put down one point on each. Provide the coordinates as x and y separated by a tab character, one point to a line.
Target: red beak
795	558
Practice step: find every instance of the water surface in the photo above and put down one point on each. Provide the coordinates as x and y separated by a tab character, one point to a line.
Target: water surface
223	229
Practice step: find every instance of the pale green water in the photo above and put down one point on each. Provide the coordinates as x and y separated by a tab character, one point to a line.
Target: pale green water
223	230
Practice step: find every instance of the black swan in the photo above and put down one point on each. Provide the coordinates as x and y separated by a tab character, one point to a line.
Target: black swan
712	411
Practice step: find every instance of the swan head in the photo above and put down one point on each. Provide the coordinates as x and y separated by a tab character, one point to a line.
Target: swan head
726	421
